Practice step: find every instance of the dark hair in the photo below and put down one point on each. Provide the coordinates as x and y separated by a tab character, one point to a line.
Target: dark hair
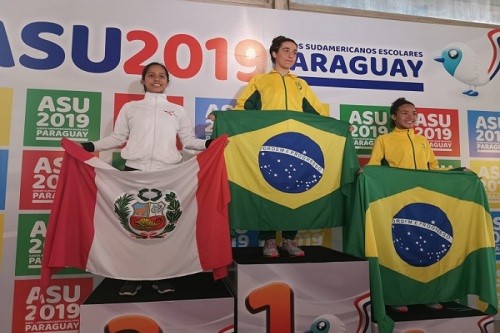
148	66
276	44
395	107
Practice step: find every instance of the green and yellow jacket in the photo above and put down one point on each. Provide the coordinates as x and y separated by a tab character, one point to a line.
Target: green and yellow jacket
272	91
403	148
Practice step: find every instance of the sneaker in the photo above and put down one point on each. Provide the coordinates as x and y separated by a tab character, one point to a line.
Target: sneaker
130	288
399	308
293	250
270	250
163	287
435	306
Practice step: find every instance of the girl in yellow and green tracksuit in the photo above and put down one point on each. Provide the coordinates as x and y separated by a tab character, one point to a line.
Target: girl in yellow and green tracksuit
403	148
280	90
274	91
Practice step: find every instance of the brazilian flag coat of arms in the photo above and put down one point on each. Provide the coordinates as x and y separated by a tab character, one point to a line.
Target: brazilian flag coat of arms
428	236
287	170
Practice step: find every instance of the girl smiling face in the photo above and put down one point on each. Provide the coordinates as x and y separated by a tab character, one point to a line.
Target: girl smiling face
405	117
155	79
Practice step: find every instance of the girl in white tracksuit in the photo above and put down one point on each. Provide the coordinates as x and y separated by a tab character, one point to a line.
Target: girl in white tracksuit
149	128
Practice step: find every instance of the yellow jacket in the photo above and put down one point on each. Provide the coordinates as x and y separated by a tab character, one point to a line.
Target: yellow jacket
403	148
272	91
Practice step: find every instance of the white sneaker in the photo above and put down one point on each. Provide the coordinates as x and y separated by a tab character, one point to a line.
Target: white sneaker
435	306
399	308
293	250
130	288
270	250
163	287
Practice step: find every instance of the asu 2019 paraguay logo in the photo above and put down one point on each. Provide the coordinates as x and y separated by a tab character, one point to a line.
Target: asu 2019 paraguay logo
149	213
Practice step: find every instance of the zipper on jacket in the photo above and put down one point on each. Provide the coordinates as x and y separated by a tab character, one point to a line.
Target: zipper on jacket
154	133
286	93
412	148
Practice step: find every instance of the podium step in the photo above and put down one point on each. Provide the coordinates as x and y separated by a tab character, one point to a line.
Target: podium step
326	288
453	318
314	254
199	304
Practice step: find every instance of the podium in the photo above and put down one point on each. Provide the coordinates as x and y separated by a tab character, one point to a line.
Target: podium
453	318
325	288
199	304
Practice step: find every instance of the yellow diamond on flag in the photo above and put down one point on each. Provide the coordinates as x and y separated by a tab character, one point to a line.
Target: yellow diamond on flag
438	244
292	148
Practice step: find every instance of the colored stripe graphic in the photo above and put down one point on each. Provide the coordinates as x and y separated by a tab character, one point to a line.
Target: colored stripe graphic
363	84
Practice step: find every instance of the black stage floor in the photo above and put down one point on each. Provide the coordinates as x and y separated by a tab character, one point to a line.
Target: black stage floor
314	254
422	312
196	286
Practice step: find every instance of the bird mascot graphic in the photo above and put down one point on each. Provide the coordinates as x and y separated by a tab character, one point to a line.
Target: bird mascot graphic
473	66
327	323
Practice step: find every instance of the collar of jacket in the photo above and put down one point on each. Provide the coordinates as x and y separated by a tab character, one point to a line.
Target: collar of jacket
272	71
409	131
150	95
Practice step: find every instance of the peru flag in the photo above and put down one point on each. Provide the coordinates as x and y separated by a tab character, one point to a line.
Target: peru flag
139	225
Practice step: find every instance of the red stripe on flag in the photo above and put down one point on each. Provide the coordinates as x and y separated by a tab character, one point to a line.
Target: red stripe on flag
70	228
212	231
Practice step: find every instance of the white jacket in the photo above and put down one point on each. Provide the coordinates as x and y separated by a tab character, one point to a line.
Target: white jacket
149	127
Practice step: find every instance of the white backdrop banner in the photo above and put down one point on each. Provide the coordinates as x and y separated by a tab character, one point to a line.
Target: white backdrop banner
66	67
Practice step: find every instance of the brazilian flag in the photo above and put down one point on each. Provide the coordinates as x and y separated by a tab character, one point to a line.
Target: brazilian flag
428	236
287	170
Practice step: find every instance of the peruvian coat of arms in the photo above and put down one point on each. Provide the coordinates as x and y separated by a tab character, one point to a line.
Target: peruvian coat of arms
149	213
